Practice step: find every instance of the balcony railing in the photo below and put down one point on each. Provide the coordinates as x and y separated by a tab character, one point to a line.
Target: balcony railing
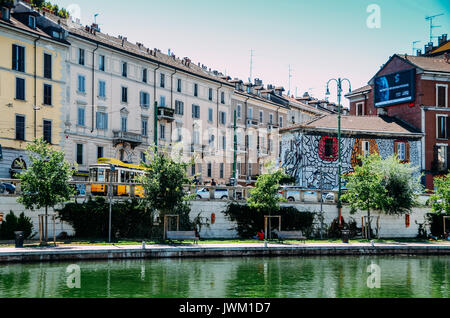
124	136
252	123
165	113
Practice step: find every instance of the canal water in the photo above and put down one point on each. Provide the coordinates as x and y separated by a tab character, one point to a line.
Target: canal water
293	277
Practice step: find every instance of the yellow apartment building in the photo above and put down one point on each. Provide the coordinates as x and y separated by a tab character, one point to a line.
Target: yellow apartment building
33	53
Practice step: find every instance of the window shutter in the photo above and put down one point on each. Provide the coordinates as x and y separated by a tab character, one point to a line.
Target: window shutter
407	152
396	148
448	157
434	163
14	57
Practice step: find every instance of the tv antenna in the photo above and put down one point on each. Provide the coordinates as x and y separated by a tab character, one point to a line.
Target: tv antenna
251	65
432	26
290	76
414	48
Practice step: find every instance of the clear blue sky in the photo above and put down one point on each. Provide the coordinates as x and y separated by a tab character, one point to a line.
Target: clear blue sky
320	39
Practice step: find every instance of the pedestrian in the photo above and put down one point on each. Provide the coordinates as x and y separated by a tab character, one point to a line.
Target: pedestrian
213	183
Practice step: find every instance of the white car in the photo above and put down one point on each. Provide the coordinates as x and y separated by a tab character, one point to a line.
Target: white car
293	195
219	194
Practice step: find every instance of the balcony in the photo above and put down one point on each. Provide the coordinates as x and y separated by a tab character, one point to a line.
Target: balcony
121	137
262	152
165	113
252	123
272	127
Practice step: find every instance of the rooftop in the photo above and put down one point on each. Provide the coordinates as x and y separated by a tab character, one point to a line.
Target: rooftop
359	124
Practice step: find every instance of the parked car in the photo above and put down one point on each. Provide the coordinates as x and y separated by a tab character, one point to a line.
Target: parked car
293	194
221	194
331	197
7	188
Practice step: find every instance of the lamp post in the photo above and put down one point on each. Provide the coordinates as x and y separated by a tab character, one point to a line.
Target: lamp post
339	83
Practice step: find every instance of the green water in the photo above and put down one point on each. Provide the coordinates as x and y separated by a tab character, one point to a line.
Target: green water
294	277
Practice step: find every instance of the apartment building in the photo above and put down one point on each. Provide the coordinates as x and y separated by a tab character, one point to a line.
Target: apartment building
33	81
414	89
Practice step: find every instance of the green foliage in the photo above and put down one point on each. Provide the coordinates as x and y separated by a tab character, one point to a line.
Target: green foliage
441	197
251	220
46	182
13	224
265	194
386	185
163	182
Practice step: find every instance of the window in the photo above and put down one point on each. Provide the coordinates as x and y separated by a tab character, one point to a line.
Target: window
20	127
101	63
144	127
221	170
124	69
124	94
211	141
32	22
196	90
209	170
222	98
144	75
196	137
401	151
5	14
124	124
162	131
210	114
261	116
250	113
47	66
162	101
271	119
100	152
239	110
163	81
441	157
442	123
81	56
270	145
81	84
193	169
20	88
365	150
360	109
18	58
281	122
179	85
328	148
179	134
80	154
102	89
250	141
224	142
47	94
441	95
210	94
143	157
195	111
81	116
179	107
47	131
145	100
102	121
223	118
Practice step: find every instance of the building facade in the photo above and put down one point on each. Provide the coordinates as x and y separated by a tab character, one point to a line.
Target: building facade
423	103
310	152
33	78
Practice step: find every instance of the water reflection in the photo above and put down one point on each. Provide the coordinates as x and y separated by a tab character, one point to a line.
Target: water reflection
305	277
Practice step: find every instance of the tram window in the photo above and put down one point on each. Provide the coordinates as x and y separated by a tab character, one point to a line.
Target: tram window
101	175
93	176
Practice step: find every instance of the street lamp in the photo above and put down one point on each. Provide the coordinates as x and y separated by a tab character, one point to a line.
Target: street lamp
339	83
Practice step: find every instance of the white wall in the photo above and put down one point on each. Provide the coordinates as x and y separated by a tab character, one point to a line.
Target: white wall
390	226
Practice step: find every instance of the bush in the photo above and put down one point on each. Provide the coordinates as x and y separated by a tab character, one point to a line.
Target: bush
250	221
129	219
13	224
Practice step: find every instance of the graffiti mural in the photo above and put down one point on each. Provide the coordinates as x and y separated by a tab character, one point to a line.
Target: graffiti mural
305	158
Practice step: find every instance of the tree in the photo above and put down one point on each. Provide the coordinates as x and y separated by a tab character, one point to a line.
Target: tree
385	185
163	182
46	183
265	195
441	196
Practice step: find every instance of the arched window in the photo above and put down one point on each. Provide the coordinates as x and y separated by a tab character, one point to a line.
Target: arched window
329	149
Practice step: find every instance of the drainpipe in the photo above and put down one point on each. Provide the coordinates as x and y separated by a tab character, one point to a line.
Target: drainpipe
35	85
155	117
93	88
171	102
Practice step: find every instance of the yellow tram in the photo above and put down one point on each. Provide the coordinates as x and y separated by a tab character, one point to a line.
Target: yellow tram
123	173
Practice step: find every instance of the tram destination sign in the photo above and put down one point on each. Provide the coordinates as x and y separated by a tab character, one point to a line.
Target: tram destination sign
395	88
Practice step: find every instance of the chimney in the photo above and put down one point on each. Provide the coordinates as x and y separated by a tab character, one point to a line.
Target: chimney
442	39
419	52
428	47
258	82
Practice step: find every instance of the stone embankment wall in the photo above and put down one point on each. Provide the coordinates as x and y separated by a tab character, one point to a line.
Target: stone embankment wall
390	226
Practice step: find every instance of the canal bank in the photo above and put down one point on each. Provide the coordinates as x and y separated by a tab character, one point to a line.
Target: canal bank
113	252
